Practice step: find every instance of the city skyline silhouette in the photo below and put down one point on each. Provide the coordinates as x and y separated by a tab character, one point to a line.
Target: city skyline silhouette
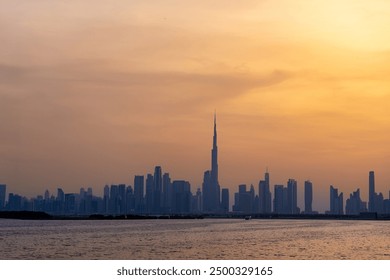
159	194
88	99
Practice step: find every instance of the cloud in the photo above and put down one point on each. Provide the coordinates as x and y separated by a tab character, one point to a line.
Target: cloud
84	95
93	79
11	74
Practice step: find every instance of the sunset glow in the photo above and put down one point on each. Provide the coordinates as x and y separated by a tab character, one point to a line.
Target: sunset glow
93	93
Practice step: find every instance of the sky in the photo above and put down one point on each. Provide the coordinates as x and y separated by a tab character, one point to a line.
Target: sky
95	92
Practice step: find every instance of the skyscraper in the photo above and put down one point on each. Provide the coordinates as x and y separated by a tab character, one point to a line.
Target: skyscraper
225	200
214	156
378	204
292	202
70	204
279	205
122	203
243	200
167	193
206	192
3	189
181	197
106	199
336	201
354	204
130	200
214	170
196	203
211	188
114	200
308	197
157	188
265	195
149	193
60	201
371	192
139	193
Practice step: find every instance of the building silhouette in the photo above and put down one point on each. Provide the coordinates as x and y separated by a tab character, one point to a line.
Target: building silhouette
379	200
225	201
181	197
197	202
157	189
354	205
265	195
71	204
210	187
371	192
376	200
114	200
106	199
292	197
386	205
122	198
59	203
130	200
14	202
280	199
139	182
149	193
243	200
3	190
166	193
308	197
336	201
206	192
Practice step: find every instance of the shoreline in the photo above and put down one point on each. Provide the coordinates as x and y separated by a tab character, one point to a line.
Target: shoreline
32	215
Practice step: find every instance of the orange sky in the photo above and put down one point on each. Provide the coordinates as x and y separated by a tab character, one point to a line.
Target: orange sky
94	92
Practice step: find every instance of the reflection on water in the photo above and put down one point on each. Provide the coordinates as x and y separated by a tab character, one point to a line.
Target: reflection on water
194	239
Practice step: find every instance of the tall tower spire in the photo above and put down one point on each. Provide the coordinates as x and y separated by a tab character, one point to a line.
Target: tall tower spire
211	188
214	169
215	131
214	153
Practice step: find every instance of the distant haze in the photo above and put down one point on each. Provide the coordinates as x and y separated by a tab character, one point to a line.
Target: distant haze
95	92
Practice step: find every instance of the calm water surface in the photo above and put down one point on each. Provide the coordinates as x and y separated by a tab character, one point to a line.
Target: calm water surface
195	239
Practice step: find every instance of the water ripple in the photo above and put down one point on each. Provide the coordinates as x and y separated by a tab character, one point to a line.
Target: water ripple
194	239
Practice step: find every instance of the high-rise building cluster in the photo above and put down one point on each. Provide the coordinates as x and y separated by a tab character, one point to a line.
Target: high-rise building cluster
154	195
158	194
284	202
